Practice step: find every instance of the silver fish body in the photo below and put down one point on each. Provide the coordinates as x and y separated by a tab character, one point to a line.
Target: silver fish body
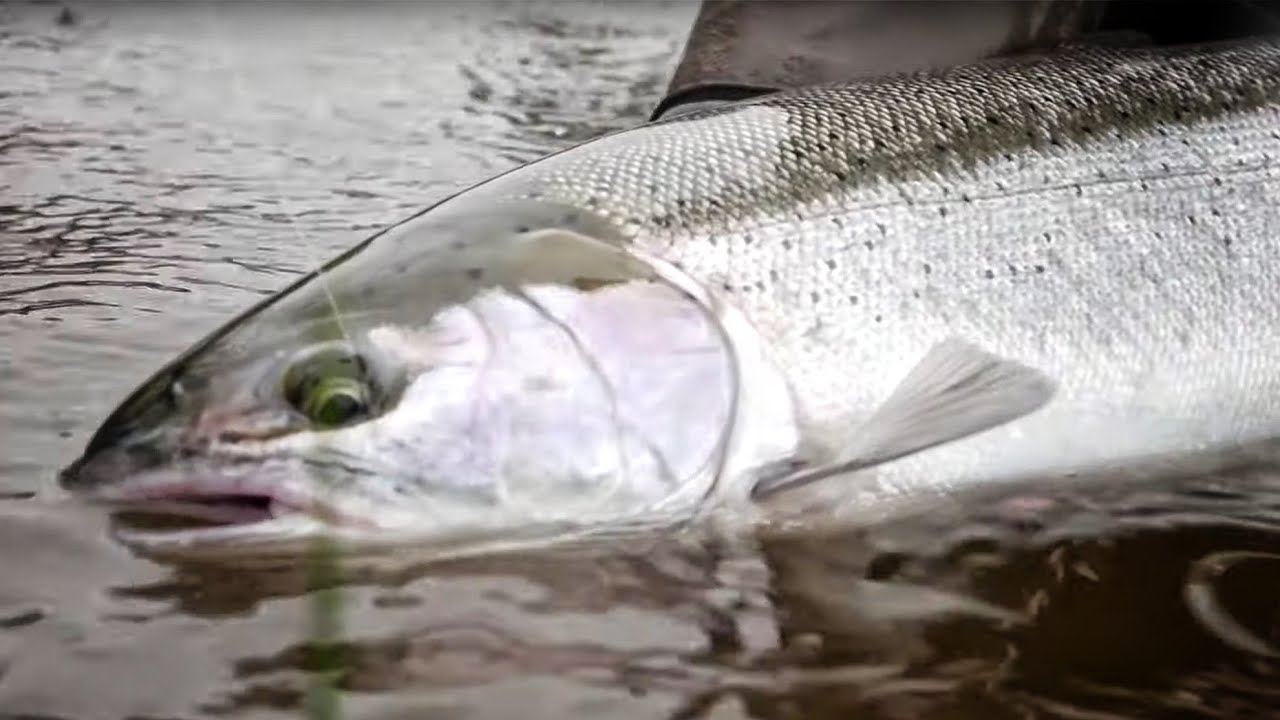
1108	217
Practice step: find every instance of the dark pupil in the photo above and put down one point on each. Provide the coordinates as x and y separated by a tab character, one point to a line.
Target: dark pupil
330	386
338	408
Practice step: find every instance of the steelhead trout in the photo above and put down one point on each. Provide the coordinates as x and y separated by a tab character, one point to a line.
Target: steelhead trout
1028	267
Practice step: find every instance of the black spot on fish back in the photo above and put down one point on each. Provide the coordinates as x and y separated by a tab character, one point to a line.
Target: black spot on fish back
1078	95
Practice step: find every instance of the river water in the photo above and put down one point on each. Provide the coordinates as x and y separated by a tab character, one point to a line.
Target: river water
164	165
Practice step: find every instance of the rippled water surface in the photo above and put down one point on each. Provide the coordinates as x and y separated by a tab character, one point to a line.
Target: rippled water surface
161	166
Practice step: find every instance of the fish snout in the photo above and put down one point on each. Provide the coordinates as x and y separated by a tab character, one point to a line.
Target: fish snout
95	472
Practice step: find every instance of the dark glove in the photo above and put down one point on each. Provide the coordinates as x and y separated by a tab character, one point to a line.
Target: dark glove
742	48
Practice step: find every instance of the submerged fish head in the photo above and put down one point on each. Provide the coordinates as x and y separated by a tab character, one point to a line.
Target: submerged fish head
463	374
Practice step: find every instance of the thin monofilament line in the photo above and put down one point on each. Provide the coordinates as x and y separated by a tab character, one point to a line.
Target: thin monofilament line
323	700
322	276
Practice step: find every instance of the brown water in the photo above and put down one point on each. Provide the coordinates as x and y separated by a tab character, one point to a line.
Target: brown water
161	166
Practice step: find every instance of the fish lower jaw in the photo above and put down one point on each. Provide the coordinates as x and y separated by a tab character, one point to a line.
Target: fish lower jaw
185	529
177	509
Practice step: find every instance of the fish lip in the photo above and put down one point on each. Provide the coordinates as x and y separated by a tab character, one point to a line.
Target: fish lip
280	537
196	486
302	513
202	488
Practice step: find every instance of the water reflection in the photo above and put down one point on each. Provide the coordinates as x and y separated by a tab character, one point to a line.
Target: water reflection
570	615
1097	572
559	85
1059	603
1069	606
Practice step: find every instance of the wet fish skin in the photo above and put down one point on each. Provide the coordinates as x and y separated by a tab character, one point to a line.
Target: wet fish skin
1104	216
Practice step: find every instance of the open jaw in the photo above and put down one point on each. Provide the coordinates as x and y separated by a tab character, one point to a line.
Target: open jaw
208	513
196	513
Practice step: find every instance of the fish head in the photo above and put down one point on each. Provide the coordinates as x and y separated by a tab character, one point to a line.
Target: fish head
463	376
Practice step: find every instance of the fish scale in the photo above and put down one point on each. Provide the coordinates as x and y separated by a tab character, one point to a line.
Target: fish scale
1106	216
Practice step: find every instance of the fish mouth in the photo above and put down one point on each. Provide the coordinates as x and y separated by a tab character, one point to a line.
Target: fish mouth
200	511
195	505
221	518
202	506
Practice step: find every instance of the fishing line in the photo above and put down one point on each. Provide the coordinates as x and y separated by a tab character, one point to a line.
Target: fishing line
323	699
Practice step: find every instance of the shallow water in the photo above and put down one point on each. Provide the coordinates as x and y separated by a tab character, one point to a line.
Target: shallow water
163	166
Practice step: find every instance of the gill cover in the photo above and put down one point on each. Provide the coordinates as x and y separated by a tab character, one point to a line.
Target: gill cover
294	366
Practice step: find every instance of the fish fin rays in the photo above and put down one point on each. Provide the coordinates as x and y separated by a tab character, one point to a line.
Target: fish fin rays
956	390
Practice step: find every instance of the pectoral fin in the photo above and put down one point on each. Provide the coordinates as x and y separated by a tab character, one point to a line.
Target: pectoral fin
956	390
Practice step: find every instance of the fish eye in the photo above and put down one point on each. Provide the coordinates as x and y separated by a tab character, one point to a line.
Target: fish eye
330	386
